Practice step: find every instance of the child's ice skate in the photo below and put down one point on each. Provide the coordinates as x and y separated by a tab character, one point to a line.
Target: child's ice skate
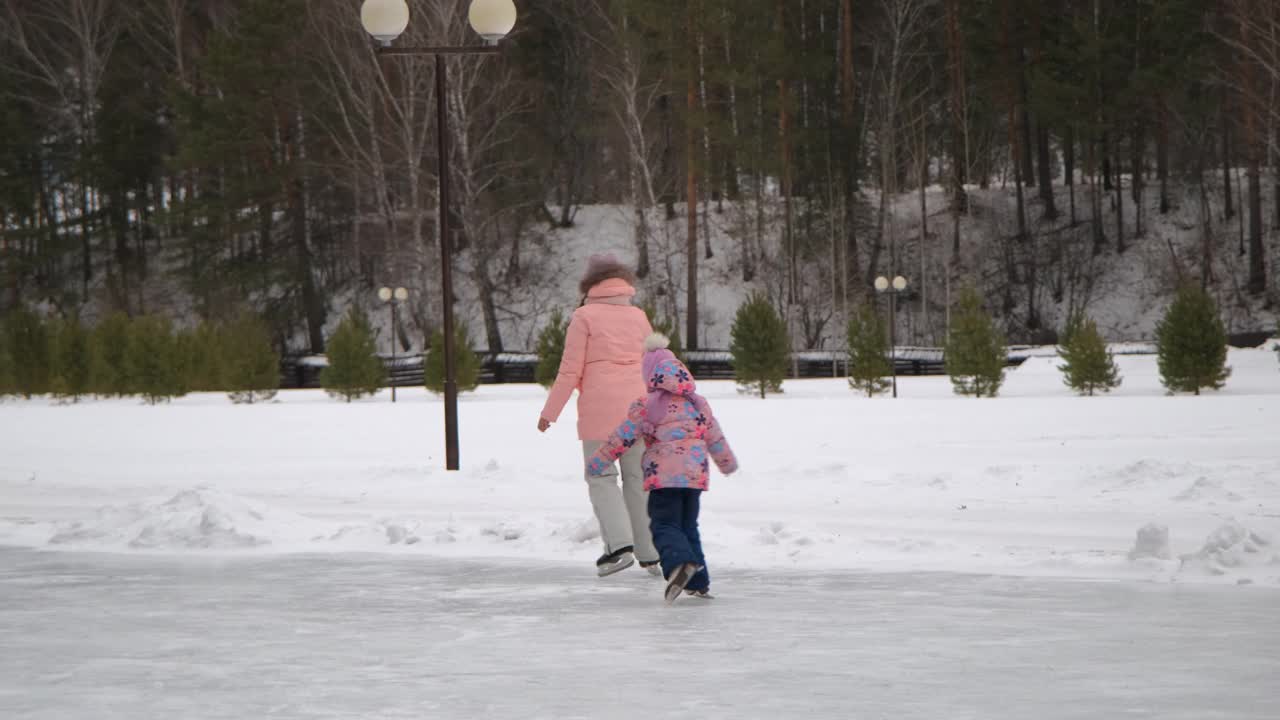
700	594
679	578
654	567
616	561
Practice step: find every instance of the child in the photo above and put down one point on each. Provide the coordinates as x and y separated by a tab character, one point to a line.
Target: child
680	435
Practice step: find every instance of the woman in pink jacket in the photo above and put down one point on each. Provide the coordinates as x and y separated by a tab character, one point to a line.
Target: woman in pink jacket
603	349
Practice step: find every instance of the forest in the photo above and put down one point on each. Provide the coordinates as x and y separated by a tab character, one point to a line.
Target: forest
198	160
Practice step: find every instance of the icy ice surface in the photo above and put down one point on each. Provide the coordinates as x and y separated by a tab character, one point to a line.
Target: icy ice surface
102	637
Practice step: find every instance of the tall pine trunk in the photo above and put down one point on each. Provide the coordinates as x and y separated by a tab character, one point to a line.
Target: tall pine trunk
1120	244
1228	206
299	212
849	161
1253	151
691	194
1137	152
1069	162
1162	158
959	151
784	129
1045	168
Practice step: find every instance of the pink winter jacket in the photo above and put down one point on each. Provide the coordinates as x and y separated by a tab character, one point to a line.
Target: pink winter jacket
602	351
678	429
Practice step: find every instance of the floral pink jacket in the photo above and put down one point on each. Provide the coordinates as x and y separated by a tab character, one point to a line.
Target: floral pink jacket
680	433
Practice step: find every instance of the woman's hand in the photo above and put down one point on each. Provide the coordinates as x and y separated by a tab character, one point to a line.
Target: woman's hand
543	424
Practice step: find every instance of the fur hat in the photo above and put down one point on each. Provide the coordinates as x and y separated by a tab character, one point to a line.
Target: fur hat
604	267
656	341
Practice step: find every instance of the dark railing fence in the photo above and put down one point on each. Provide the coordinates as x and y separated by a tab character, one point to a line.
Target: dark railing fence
508	367
512	367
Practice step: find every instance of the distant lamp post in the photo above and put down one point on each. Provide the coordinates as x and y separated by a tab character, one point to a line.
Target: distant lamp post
492	20
393	298
898	285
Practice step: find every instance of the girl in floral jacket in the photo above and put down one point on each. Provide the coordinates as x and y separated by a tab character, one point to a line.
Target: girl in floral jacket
681	437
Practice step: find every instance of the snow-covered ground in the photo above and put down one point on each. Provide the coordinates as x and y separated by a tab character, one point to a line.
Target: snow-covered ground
1035	483
379	636
930	557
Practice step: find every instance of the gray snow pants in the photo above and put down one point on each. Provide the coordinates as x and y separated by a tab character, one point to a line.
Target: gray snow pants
623	513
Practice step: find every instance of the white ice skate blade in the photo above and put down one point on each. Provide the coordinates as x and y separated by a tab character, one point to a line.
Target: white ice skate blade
617	566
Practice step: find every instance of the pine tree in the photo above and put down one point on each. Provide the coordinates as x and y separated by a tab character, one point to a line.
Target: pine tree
68	360
28	342
468	363
1191	343
976	352
354	370
1089	366
667	327
202	350
1074	321
250	367
154	360
108	357
760	347
550	350
8	383
868	352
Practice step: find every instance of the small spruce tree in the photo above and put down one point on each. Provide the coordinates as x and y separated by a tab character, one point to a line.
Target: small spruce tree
8	383
666	327
354	369
1191	343
550	350
68	360
976	354
27	337
250	367
202	350
1074	321
1088	365
868	352
759	347
154	360
108	357
468	363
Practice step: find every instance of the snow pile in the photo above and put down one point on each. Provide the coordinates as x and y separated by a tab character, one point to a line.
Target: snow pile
1209	491
1152	543
1231	548
372	535
200	518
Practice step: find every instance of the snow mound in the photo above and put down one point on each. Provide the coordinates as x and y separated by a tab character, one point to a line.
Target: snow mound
381	533
1152	543
1231	548
200	518
1207	490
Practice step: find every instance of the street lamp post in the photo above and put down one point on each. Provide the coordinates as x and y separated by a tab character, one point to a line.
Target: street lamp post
898	285
492	20
393	298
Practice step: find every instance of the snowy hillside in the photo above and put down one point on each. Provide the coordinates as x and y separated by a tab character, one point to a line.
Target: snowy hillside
1126	293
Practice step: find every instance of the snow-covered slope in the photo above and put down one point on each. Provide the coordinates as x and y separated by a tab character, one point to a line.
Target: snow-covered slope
1126	293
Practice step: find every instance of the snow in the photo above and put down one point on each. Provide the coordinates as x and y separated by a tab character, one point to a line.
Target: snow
1232	546
1152	543
1035	555
1036	483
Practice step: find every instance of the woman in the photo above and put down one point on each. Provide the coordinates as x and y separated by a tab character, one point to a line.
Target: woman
603	348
